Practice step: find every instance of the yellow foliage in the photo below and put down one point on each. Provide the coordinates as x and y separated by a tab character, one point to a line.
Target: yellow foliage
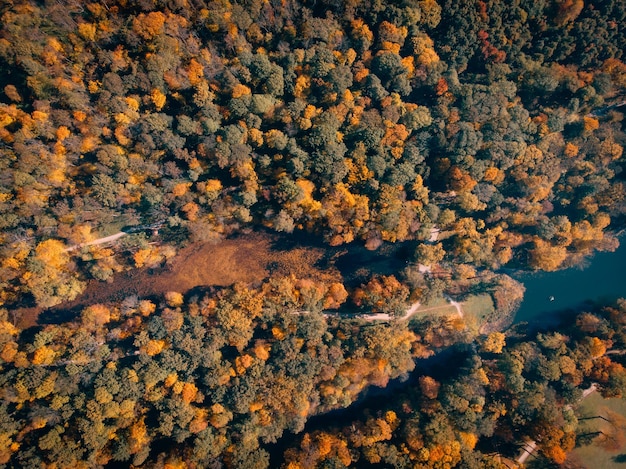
571	150
62	133
87	31
428	57
138	436
132	103
52	253
597	347
361	30
9	351
7	328
242	362
494	175
158	99
177	388
146	307
468	440
44	355
213	185
170	380
256	136
310	111
409	64
176	463
256	406
89	143
40	116
174	299
103	396
120	135
95	316
278	333
494	343
80	116
547	257
392	47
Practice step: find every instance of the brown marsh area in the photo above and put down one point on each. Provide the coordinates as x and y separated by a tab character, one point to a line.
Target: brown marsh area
247	258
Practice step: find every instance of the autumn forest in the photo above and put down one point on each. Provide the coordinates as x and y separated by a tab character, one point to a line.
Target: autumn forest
383	167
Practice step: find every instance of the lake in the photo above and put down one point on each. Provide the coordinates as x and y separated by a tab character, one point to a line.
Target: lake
601	281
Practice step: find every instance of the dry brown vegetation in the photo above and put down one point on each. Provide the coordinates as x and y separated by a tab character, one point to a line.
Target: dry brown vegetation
247	259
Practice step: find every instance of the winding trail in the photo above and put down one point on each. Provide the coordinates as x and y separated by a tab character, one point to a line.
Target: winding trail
106	239
411	311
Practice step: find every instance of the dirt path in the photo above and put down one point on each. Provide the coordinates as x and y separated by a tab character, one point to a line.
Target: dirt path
457	305
106	239
411	311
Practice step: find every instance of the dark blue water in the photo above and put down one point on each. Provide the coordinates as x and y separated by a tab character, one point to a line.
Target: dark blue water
602	280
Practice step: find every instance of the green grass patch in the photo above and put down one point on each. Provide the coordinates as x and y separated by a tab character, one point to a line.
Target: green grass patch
605	450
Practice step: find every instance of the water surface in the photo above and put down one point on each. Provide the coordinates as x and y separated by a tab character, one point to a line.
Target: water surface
602	280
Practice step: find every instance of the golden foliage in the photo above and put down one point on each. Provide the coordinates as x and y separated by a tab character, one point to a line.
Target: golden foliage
52	253
150	25
95	316
189	393
240	90
87	31
494	342
590	124
545	256
154	347
44	355
158	99
174	299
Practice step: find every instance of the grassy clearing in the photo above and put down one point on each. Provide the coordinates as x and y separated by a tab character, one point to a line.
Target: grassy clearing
480	308
608	449
439	307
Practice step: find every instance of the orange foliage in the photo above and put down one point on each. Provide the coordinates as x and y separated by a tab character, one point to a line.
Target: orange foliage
262	350
429	387
138	436
195	72
150	25
95	316
240	90
154	347
590	124
44	355
189	392
546	257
